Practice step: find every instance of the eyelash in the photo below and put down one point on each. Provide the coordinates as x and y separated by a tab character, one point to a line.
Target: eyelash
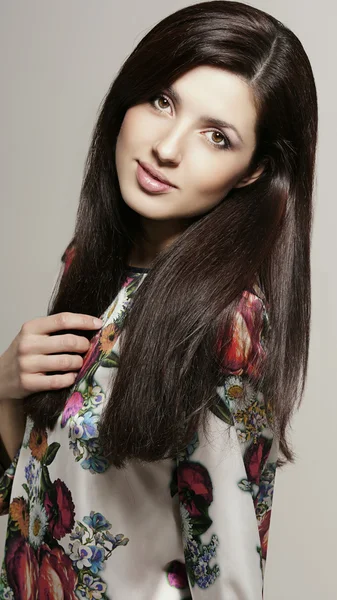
227	144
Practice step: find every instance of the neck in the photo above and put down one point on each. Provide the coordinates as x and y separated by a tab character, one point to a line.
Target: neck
155	237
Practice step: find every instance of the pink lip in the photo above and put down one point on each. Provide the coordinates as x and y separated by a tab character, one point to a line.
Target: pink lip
149	183
155	173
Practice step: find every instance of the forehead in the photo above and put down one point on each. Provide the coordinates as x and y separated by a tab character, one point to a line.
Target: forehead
220	94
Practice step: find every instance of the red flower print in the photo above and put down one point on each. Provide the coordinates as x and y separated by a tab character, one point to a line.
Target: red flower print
176	574
47	574
22	568
72	407
127	281
264	532
57	578
195	487
91	356
255	458
244	353
60	509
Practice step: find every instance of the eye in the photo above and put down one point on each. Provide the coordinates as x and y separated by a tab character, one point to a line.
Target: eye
225	139
160	96
225	146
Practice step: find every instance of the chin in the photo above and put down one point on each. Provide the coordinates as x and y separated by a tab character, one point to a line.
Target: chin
152	214
151	207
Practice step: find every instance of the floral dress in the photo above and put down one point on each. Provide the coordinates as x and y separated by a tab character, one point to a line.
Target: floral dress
193	528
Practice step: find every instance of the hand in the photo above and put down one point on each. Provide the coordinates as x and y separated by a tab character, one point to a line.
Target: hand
24	366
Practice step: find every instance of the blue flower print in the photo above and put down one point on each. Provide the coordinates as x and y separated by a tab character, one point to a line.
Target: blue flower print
95	464
85	426
90	547
116	540
80	554
97	558
97	521
198	558
91	588
78	532
93	396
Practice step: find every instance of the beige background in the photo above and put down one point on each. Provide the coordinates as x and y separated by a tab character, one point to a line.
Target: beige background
57	60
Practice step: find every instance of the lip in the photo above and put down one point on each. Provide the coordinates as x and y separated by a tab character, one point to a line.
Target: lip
154	173
149	183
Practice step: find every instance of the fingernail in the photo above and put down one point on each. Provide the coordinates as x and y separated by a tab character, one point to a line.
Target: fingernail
97	322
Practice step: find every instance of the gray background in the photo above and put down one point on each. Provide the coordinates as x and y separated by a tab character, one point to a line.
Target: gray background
57	61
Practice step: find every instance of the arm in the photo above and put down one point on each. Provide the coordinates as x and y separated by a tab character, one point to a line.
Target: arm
225	483
12	427
13	420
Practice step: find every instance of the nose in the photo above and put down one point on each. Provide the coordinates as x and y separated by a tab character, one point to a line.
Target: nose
167	149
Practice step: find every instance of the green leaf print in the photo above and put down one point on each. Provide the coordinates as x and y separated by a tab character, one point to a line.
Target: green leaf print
110	361
50	453
222	411
26	488
199	526
46	484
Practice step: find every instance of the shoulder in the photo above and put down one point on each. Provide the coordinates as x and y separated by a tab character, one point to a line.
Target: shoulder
68	255
244	351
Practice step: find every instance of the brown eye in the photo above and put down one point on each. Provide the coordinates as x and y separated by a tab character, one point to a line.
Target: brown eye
164	100
160	98
220	137
160	102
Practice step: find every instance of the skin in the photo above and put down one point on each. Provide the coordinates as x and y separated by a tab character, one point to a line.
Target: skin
190	152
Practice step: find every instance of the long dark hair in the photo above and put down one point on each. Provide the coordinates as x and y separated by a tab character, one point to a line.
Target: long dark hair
168	373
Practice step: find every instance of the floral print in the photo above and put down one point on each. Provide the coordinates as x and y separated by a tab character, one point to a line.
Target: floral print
6	483
81	413
241	405
245	352
64	526
250	412
83	408
193	484
36	564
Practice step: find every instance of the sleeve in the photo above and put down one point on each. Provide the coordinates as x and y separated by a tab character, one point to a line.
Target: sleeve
68	256
6	484
7	473
66	260
225	481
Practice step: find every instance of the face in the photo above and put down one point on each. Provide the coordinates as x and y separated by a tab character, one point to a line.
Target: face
176	134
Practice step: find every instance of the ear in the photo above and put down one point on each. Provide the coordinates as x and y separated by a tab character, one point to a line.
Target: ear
250	178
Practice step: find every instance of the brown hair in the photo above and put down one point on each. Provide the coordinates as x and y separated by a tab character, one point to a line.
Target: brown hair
262	230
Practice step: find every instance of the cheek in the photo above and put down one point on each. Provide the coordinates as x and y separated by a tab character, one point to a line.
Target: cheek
214	174
122	138
134	128
126	133
213	179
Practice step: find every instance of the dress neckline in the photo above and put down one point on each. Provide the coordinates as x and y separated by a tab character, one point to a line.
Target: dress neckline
134	269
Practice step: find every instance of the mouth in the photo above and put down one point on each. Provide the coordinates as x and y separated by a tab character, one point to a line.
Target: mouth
149	182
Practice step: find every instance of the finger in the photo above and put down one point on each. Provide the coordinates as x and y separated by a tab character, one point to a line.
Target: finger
54	344
60	321
35	364
39	382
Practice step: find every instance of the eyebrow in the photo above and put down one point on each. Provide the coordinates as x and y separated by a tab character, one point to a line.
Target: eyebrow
216	122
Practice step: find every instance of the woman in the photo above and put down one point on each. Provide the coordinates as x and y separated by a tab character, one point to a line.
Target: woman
195	211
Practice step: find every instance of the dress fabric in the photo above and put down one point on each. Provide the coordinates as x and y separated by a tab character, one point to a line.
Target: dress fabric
191	528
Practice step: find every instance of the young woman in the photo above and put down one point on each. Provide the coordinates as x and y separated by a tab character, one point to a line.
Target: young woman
142	448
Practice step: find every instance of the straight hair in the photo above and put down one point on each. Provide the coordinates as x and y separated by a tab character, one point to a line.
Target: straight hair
168	367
